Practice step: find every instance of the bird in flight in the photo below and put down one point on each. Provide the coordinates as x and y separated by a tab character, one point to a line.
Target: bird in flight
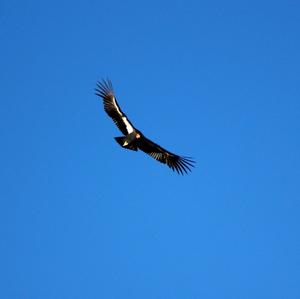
133	139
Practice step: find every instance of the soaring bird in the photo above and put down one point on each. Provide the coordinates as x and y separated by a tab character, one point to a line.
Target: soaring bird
133	139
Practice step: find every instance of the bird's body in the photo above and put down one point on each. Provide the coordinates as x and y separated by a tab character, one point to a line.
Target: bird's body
133	139
129	141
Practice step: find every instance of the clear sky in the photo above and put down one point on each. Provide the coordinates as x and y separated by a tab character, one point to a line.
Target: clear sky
216	80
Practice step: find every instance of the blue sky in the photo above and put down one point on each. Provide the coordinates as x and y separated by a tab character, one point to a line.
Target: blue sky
82	218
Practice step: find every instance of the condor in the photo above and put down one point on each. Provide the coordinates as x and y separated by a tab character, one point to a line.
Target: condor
133	139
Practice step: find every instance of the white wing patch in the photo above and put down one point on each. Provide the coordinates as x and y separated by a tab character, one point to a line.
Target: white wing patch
156	156
129	128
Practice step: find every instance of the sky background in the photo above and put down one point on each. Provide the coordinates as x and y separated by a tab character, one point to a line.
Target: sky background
216	80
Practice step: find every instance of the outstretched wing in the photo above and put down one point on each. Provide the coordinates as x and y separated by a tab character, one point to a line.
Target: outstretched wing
105	91
176	163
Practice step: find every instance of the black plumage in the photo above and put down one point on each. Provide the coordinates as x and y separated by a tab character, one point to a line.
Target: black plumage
134	139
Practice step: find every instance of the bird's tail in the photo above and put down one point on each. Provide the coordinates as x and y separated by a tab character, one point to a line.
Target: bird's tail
121	141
